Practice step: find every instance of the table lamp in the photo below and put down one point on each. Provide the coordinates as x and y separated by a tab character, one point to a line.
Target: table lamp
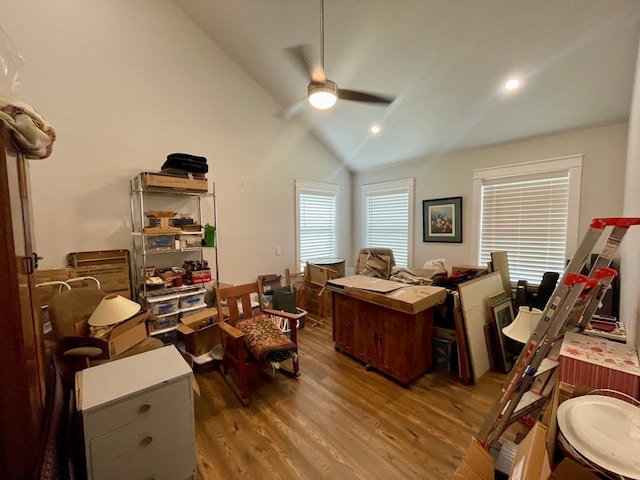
524	324
113	309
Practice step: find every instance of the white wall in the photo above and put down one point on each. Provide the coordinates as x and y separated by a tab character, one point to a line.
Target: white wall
450	175
630	268
126	82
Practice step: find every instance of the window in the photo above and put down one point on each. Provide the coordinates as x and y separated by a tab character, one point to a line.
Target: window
316	221
531	212
388	214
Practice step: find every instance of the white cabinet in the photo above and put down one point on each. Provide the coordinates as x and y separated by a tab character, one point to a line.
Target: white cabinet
137	416
176	243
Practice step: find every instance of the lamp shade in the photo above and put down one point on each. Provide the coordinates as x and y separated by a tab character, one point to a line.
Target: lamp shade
113	309
523	325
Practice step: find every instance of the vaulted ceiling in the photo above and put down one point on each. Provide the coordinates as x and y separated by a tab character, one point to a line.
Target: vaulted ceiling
445	61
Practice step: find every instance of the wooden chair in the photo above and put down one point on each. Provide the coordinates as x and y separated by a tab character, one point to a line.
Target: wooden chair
254	337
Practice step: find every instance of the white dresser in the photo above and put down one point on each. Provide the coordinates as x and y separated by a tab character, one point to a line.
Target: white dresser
137	416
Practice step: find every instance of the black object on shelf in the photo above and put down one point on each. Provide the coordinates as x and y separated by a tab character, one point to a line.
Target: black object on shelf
186	162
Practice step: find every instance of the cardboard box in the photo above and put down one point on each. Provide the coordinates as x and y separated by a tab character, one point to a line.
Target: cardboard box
477	269
159	180
201	276
532	460
599	363
477	464
126	335
570	470
395	295
199	331
424	272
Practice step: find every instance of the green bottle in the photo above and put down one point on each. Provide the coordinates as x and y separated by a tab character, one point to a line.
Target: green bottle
209	235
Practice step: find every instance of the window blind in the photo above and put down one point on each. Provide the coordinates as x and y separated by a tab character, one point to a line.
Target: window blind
317	231
528	219
387	222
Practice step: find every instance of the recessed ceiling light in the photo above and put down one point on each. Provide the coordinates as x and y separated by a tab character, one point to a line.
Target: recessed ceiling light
375	129
512	84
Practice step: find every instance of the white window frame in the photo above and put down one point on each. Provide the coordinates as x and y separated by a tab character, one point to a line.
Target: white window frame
572	165
325	189
387	188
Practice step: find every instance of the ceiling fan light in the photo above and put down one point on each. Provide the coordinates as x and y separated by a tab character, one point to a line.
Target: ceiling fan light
323	96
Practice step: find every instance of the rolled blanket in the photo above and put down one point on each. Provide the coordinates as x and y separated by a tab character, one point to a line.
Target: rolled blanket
279	356
32	134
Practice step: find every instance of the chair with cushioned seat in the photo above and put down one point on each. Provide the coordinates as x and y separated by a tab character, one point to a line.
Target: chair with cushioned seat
253	337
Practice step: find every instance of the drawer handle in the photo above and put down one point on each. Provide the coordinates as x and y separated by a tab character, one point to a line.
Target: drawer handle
146	441
144	408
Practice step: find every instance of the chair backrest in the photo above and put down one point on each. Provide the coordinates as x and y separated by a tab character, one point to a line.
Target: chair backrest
238	301
270	281
546	288
70	310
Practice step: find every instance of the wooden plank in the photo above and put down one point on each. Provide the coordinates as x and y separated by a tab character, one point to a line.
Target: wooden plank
99	257
466	373
475	307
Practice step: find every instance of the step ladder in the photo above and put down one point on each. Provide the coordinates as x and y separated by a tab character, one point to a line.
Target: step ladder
570	307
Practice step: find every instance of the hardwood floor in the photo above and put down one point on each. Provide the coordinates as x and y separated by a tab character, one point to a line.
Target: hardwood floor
338	421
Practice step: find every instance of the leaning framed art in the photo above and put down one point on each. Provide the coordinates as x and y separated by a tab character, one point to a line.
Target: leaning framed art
501	316
442	220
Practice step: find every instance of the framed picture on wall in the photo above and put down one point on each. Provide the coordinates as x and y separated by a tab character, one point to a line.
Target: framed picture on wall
442	220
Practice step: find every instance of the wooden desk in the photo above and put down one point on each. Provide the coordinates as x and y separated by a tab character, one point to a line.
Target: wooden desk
390	330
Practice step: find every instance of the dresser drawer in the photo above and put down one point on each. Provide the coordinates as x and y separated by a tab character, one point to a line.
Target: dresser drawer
160	446
109	417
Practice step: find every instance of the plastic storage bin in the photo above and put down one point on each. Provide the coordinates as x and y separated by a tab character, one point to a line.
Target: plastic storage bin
163	305
190	311
161	322
190	240
195	299
159	243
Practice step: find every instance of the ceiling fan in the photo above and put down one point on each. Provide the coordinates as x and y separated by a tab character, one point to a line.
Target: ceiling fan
323	93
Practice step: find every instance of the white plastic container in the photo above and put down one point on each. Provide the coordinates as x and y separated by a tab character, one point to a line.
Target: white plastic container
190	311
161	322
159	243
190	240
163	305
193	300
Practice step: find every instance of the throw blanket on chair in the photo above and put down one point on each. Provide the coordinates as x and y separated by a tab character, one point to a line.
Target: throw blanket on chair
264	339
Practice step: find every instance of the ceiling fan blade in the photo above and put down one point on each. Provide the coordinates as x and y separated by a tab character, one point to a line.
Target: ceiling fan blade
345	94
301	56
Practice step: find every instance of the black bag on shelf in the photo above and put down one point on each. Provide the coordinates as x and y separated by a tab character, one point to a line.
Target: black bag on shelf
186	163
